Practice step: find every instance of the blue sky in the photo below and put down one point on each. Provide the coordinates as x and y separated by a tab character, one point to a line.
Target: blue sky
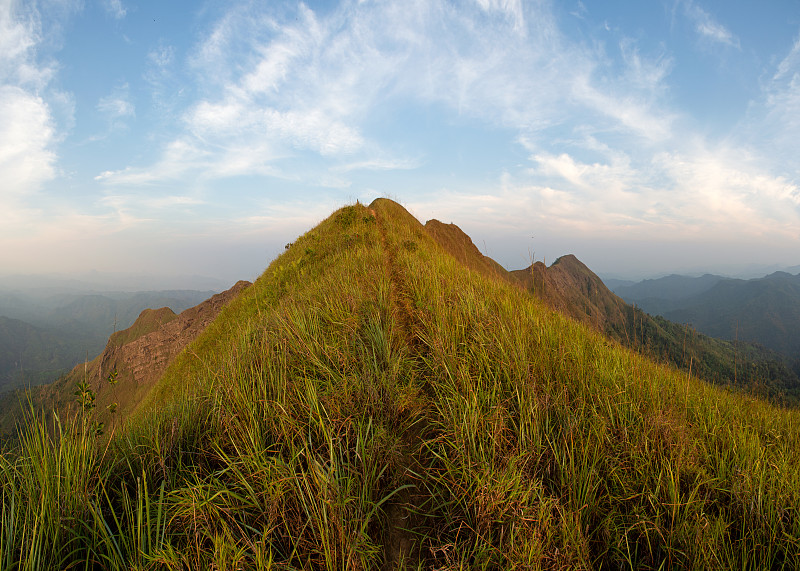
199	138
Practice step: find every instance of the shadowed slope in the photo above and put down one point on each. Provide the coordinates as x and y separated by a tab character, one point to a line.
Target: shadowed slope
455	242
764	310
30	354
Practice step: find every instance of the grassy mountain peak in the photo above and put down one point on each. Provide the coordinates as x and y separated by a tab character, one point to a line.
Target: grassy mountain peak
149	320
371	403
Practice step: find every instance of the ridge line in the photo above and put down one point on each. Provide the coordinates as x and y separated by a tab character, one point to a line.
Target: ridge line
401	543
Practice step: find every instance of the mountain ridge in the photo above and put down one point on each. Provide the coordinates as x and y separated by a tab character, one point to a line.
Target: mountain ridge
570	287
136	357
371	402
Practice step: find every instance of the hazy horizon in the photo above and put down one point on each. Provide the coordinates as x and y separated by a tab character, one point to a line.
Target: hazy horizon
99	281
645	138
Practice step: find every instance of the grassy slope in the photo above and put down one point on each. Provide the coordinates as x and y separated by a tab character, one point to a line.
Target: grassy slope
370	402
573	289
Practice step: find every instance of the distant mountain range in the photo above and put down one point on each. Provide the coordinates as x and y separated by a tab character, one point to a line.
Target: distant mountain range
81	282
763	310
571	288
667	289
44	333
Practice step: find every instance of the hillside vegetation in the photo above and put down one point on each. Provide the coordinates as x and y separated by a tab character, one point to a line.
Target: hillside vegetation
571	288
762	310
372	403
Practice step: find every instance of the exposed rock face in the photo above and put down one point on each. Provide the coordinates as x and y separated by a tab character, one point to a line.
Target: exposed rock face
138	355
144	359
570	287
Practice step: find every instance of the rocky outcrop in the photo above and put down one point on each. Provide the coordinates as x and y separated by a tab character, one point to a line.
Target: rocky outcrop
144	359
137	356
570	287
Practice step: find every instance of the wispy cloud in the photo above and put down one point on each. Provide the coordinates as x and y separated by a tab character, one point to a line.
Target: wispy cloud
278	87
115	8
708	28
510	9
771	127
28	133
117	107
720	192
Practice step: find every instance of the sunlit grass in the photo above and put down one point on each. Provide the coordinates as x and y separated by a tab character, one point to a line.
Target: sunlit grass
370	403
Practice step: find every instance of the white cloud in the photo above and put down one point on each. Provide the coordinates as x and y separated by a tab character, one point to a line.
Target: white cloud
726	193
117	107
313	83
162	57
17	37
708	28
379	164
25	158
143	202
27	136
707	194
180	156
646	75
511	9
168	88
715	200
115	8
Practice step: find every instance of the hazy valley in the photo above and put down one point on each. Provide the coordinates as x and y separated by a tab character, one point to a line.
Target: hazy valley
765	311
46	331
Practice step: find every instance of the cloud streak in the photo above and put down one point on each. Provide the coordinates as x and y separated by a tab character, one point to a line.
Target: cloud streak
28	133
707	28
115	9
499	105
315	84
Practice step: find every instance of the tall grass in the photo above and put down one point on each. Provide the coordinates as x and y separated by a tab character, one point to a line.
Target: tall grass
559	448
371	403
